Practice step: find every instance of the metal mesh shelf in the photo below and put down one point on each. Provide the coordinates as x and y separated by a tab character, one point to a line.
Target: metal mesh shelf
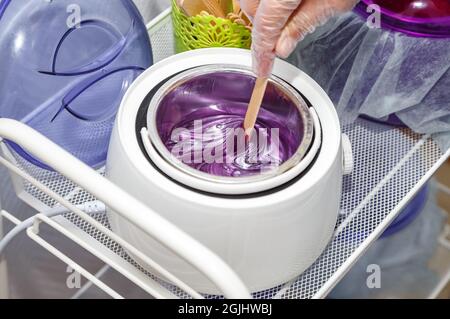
391	165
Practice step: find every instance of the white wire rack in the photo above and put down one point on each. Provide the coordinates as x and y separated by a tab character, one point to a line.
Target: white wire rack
391	165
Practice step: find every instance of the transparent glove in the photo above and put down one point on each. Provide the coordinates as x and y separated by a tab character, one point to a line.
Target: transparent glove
278	25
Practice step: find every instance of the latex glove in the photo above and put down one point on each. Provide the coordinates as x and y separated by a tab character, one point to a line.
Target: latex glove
278	25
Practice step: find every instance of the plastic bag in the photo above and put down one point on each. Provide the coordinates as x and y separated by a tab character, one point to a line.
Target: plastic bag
378	73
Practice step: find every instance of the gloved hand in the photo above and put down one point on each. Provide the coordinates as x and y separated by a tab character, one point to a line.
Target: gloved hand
278	25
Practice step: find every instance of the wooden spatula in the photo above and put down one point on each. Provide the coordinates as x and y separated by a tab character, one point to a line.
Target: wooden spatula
192	7
255	105
236	7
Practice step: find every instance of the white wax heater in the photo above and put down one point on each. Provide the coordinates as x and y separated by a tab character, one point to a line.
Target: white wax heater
268	228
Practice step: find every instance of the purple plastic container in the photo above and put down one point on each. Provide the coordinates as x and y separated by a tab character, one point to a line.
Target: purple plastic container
409	213
65	66
418	18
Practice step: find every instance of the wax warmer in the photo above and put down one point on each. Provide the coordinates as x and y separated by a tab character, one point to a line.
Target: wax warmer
268	225
220	93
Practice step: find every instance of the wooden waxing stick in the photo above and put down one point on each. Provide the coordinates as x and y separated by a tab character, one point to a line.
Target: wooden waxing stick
255	105
191	7
214	8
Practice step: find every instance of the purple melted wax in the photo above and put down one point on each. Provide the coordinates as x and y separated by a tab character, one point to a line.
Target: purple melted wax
219	100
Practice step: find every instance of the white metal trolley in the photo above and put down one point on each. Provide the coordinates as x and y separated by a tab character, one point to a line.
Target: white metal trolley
391	166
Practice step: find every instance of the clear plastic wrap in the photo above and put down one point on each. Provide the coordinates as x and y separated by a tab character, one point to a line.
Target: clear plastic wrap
379	73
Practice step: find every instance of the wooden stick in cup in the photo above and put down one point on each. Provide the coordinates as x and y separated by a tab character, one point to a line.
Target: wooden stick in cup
255	105
226	5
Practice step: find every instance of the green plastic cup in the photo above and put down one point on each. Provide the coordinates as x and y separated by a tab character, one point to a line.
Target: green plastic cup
207	31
